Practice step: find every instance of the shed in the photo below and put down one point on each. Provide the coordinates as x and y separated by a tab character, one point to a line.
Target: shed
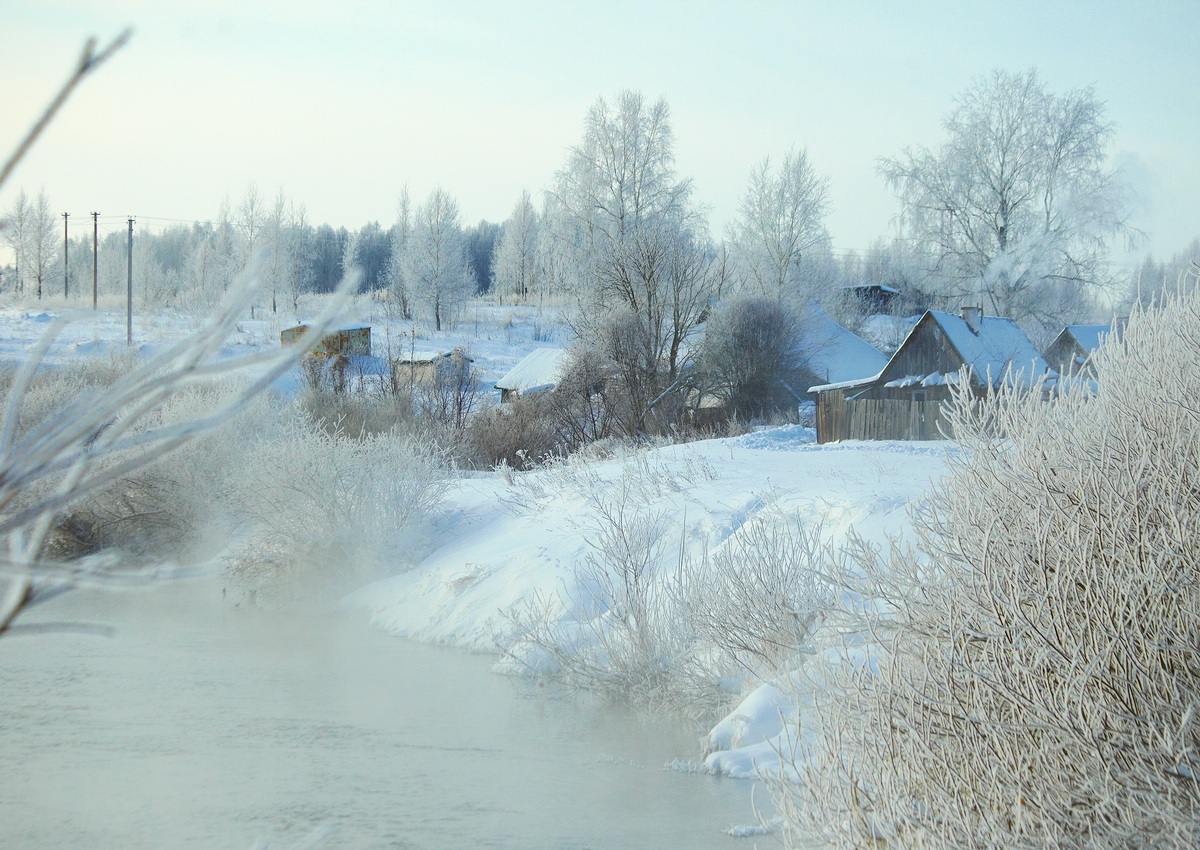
350	340
905	400
421	367
539	370
1072	350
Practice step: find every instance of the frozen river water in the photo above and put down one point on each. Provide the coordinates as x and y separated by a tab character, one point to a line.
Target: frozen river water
200	725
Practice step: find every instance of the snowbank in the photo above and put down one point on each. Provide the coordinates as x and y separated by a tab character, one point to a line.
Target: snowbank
505	541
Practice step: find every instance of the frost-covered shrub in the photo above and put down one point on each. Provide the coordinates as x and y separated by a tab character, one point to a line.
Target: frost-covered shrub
758	598
1035	672
358	414
517	434
648	620
159	510
325	511
622	629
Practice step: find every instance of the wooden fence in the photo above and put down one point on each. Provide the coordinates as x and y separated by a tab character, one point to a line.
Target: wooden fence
881	419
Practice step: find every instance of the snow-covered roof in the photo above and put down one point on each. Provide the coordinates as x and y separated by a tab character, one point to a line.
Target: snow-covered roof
1089	337
837	355
542	367
1000	346
999	352
420	356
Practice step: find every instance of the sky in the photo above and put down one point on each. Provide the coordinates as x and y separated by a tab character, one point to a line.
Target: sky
342	105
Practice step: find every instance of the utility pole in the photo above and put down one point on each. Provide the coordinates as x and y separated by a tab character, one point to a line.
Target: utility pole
95	251
129	291
66	256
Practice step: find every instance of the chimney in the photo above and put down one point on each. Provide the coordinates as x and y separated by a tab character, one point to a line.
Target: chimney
973	316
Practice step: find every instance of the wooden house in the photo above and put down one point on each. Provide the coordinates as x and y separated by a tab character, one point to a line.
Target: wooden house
905	401
349	341
1072	350
538	371
420	368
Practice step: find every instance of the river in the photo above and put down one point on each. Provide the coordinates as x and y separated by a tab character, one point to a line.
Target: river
200	725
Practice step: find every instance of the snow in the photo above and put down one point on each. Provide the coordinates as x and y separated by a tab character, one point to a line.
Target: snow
1000	345
505	539
502	541
835	354
540	368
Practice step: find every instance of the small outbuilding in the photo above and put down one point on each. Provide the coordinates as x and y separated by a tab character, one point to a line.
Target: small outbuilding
906	399
350	341
538	371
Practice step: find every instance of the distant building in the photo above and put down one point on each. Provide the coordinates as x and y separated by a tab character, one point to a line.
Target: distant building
1072	350
348	341
904	401
421	367
538	371
873	297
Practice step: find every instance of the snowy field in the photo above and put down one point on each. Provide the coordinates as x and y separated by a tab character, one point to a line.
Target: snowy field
503	541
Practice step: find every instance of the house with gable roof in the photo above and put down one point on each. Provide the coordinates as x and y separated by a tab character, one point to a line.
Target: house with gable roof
538	371
905	401
1072	350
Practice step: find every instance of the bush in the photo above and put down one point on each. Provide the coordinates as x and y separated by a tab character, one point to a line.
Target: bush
518	434
324	512
159	510
1035	676
645	621
750	356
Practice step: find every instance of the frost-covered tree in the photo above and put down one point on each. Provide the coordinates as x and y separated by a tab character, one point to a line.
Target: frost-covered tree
514	262
1019	201
278	267
41	245
298	239
437	272
1154	280
16	235
780	219
251	215
635	244
394	274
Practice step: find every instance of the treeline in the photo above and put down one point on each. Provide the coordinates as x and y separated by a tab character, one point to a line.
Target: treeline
1013	210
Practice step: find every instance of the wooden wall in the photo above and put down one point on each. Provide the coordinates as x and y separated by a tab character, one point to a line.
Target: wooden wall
878	419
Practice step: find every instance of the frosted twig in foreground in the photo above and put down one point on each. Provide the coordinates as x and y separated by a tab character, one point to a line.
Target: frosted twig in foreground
116	427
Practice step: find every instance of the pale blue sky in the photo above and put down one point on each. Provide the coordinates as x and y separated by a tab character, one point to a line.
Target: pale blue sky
341	104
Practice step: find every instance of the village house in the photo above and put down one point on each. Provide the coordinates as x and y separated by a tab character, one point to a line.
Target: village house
538	371
905	400
1072	350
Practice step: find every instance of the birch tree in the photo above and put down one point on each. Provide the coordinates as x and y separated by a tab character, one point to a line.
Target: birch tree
780	220
16	235
514	264
42	241
395	273
1019	199
642	267
436	268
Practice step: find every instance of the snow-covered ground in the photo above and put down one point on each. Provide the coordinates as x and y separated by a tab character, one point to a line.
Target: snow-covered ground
506	540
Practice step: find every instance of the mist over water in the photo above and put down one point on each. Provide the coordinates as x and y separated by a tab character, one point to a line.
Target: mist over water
203	725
